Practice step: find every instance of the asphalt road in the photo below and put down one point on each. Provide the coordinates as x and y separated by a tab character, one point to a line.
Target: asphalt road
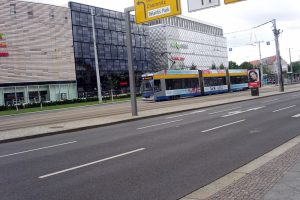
66	115
163	158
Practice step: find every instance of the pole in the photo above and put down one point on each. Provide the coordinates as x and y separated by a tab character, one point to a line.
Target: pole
260	65
130	61
291	65
278	58
96	56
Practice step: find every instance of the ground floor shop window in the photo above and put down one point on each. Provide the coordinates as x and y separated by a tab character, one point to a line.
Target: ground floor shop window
14	98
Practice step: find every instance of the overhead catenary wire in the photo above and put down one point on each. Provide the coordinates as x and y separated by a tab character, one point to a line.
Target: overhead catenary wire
249	29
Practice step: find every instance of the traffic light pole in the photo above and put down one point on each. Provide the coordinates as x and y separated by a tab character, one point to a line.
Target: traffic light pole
130	61
278	58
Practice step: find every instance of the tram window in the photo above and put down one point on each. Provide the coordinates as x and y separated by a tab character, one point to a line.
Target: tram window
238	79
191	83
157	85
174	84
214	81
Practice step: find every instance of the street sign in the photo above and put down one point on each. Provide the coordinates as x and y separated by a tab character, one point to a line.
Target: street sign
149	10
231	1
194	5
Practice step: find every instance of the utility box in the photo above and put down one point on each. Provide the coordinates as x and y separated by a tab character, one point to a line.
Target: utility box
255	91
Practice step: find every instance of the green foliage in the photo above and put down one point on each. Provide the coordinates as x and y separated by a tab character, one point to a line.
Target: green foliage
222	66
213	66
233	65
266	70
246	65
296	67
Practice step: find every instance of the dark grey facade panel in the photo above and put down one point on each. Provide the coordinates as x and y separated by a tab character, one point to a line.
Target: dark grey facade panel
111	47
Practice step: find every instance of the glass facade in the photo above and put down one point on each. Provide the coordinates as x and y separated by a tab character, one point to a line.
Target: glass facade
111	48
185	43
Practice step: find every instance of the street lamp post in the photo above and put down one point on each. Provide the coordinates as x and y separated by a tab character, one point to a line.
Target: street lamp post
291	64
96	56
278	58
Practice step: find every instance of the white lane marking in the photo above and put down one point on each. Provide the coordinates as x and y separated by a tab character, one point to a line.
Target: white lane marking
12	154
223	125
283	108
268	101
296	115
91	163
195	112
159	124
224	110
240	111
296	95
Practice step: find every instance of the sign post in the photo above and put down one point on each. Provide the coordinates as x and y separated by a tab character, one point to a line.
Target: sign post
149	10
130	61
145	11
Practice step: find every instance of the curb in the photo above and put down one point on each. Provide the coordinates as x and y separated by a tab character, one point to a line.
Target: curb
129	120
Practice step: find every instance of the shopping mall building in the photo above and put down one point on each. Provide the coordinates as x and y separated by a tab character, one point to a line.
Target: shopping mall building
47	52
36	53
185	43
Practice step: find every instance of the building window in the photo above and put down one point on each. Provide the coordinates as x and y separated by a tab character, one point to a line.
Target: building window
105	22
13	9
107	37
51	13
66	16
30	12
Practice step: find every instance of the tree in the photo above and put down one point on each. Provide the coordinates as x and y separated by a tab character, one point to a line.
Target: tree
266	70
213	66
246	65
296	67
222	66
193	67
233	65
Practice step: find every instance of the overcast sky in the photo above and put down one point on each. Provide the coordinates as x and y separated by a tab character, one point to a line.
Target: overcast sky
234	17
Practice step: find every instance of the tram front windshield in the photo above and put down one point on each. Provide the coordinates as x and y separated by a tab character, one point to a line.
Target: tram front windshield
147	86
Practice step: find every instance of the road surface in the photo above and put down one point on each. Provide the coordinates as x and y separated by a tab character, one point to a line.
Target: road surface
165	157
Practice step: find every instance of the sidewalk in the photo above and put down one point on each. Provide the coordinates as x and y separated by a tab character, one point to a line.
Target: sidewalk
273	176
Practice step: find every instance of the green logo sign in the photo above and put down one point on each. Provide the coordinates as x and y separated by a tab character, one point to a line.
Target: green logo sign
177	45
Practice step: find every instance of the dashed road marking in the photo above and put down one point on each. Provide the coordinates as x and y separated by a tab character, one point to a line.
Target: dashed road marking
283	108
91	163
240	111
192	113
268	101
224	110
31	150
150	126
223	126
